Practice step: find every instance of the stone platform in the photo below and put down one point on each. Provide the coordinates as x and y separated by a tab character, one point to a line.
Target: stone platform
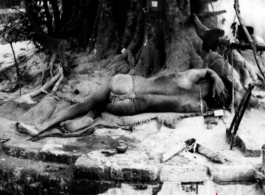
78	166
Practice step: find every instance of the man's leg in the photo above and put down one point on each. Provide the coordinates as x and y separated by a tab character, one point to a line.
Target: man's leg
98	99
80	122
119	84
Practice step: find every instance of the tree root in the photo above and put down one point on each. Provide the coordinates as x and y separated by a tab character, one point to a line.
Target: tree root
28	97
53	58
46	86
42	76
56	86
55	80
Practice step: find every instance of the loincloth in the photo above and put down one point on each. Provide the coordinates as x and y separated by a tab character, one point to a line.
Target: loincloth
132	96
116	97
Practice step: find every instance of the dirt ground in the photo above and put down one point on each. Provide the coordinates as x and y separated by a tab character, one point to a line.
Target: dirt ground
75	89
147	142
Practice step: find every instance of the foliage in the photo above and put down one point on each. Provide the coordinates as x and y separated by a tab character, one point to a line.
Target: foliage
233	27
16	28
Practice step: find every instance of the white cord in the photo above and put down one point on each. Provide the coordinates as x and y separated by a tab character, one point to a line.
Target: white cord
201	102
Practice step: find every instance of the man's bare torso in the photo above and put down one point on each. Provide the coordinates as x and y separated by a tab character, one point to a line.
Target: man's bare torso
172	93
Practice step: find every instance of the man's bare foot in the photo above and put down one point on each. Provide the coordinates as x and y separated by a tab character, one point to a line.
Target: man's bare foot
27	129
76	124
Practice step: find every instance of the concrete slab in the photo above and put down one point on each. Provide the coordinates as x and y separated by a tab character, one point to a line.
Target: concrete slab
251	131
139	169
247	145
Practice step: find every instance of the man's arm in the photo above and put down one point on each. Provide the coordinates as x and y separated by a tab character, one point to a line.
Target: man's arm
218	86
218	90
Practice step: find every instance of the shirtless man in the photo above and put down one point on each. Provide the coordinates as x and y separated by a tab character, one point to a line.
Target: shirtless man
130	95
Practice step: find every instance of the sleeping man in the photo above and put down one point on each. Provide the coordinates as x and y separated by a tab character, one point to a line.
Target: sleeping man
123	95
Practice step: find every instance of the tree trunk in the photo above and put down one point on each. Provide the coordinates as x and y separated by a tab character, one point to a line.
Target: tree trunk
154	40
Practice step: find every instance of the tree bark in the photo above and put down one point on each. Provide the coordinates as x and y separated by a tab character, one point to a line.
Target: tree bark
155	42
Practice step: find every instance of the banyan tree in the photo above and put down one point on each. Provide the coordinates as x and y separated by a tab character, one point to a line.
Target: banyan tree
146	37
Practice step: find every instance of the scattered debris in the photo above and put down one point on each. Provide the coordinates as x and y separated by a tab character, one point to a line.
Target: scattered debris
108	153
213	156
2	141
54	168
122	147
177	149
191	146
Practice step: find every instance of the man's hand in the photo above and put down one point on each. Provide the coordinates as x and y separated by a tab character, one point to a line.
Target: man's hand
219	91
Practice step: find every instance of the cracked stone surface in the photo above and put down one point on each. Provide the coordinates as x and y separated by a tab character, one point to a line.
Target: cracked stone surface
77	164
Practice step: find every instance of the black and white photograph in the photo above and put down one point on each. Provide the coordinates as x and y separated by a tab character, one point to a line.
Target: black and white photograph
132	97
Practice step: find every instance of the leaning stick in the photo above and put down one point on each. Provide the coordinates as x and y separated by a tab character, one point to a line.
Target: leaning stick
177	149
250	40
17	68
233	90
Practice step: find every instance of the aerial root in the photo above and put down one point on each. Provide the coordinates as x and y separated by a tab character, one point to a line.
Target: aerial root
46	85
53	58
56	86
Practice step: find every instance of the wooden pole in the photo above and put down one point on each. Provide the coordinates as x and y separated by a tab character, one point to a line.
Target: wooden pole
17	68
250	40
233	90
263	159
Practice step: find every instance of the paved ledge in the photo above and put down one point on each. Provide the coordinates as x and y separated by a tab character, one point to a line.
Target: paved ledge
77	165
89	168
38	151
232	173
23	176
119	167
185	173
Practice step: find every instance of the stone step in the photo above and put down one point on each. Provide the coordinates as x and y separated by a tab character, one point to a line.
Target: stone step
95	166
29	177
39	151
21	176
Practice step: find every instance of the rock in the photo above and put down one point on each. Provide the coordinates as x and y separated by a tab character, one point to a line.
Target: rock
248	146
232	173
